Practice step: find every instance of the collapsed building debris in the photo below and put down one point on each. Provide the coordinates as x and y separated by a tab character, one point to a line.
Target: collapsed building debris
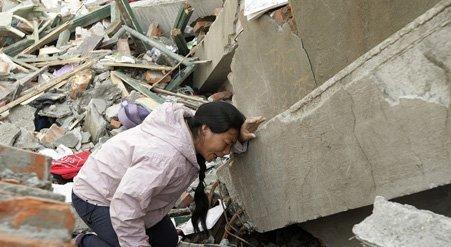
394	224
69	70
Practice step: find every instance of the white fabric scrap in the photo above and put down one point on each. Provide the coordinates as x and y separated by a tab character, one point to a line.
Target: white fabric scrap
64	189
60	152
213	216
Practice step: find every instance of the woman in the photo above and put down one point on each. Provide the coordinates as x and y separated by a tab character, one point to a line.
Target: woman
126	189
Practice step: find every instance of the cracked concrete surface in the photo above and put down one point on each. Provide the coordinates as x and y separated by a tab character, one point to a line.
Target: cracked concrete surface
357	135
272	74
336	32
394	224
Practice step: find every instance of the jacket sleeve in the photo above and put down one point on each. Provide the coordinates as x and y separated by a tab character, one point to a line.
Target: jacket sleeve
128	206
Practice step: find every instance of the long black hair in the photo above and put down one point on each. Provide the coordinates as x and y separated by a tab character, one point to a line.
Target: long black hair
219	117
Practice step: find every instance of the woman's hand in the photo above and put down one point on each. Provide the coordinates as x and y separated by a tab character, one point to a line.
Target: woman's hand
249	127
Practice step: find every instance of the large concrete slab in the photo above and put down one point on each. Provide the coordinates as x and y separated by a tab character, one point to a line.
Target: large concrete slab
394	224
336	230
381	126
336	32
218	46
270	69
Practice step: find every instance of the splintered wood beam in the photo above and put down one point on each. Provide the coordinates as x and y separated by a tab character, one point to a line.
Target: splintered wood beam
48	38
180	77
138	66
159	46
138	86
129	18
40	88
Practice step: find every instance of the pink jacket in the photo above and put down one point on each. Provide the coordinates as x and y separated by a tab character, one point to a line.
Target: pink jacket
141	172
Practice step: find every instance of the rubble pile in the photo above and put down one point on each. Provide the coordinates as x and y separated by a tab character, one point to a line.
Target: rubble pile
70	73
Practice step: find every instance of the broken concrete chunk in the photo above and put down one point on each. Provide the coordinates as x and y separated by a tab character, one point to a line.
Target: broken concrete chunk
48	136
58	110
102	77
26	221
85	137
94	123
20	161
24	190
112	112
80	82
100	104
69	140
379	126
27	140
394	224
8	133
23	116
107	91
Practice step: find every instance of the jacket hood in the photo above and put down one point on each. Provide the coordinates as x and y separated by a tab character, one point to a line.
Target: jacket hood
167	122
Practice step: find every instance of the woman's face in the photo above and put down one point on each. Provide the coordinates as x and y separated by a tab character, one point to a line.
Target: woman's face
212	145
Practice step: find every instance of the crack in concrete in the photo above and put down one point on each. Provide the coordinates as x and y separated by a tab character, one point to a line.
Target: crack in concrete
309	62
358	141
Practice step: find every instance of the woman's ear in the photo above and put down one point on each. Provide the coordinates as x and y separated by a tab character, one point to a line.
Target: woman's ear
204	130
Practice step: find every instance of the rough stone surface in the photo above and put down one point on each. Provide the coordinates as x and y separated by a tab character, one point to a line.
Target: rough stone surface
394	224
8	189
49	136
22	161
112	112
379	127
8	133
23	116
336	32
94	123
219	47
100	104
69	140
336	230
27	140
32	221
56	110
269	77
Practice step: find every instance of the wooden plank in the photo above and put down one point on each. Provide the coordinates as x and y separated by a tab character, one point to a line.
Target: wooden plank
47	39
183	96
113	39
63	39
139	66
21	82
46	86
158	45
118	82
180	77
16	48
137	85
31	76
91	18
183	16
179	40
89	44
60	62
26	65
129	18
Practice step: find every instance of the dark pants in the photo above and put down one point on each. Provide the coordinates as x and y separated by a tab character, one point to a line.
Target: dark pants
98	219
